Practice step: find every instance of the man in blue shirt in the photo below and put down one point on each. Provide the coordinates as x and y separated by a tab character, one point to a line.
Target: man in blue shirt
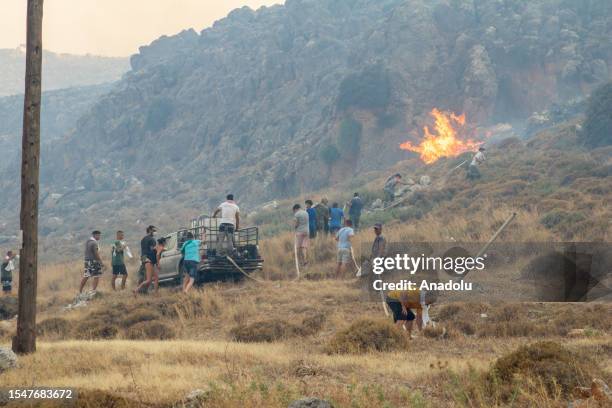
335	218
356	205
344	237
191	260
312	219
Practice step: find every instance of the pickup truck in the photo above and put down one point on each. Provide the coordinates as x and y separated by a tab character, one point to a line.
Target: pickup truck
215	264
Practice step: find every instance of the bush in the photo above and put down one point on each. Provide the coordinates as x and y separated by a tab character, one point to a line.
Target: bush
369	89
350	136
273	330
265	331
96	330
546	362
329	154
8	307
54	327
158	114
368	335
561	218
138	316
150	330
597	129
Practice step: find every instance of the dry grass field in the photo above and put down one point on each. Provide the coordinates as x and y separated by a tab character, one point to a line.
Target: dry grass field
266	344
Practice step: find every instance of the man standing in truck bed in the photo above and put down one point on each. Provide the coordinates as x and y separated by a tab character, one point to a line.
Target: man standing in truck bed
230	222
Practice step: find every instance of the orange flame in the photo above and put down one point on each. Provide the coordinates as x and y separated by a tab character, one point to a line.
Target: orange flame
444	142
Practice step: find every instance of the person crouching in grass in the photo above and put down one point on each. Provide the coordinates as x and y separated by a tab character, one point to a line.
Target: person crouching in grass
407	306
191	260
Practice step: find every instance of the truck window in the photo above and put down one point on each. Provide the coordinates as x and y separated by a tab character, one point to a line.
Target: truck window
171	242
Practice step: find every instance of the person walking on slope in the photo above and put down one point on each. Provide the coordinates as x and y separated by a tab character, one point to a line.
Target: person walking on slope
391	185
191	260
336	216
344	256
148	258
230	222
322	211
312	219
473	172
355	207
301	233
93	262
6	273
118	252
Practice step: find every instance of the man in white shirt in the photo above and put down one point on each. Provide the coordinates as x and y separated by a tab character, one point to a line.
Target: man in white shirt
230	221
473	172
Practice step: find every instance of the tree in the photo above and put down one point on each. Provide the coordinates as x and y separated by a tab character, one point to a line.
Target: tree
350	136
597	128
369	89
25	339
158	114
329	154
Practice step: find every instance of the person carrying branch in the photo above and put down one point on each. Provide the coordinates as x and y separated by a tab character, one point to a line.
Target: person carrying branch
407	306
473	172
391	185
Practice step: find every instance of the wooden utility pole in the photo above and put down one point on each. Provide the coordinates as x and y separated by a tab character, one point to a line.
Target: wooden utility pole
25	339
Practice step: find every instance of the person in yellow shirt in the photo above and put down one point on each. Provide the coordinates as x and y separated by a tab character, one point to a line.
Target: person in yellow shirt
407	306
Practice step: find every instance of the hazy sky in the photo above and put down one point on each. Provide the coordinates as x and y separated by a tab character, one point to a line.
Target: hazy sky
112	27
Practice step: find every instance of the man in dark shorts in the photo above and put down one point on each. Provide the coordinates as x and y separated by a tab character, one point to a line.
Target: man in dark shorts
118	260
407	306
93	262
148	259
6	273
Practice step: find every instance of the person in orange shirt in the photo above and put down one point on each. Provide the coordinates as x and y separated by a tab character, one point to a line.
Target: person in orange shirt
407	306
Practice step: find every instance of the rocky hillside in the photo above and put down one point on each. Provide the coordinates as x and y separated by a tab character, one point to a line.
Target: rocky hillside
60	70
294	98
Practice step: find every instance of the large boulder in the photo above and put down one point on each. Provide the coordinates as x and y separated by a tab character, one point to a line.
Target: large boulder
8	359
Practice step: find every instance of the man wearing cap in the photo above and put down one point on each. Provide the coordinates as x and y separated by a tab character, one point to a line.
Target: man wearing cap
148	257
473	172
93	262
379	246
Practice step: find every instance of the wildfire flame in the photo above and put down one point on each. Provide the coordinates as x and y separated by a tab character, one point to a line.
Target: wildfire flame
444	142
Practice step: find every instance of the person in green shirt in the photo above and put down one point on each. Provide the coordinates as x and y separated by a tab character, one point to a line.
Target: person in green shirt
118	261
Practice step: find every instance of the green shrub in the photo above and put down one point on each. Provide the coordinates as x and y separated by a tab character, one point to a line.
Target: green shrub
329	154
597	129
556	218
350	136
158	114
369	89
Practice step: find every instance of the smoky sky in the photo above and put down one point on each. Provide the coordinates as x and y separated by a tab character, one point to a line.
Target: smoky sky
113	27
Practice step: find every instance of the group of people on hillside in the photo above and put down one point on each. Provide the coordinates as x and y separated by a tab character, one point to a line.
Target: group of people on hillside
320	219
151	250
